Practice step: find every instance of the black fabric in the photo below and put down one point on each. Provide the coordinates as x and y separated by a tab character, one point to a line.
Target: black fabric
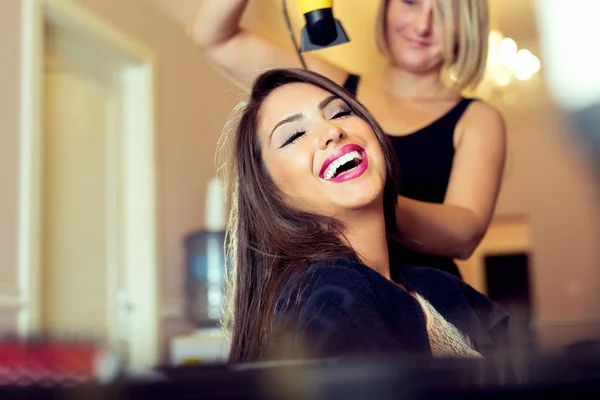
348	309
425	160
351	84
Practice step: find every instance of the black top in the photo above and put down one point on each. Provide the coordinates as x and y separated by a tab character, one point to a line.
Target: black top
425	159
348	309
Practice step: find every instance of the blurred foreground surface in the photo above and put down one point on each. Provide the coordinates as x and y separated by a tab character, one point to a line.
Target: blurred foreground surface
573	373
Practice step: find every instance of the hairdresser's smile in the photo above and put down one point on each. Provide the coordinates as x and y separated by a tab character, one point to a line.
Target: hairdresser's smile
345	164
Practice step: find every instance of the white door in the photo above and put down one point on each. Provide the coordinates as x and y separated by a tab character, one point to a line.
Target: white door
83	286
88	230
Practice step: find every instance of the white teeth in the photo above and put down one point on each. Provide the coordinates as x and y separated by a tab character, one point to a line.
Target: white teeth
333	167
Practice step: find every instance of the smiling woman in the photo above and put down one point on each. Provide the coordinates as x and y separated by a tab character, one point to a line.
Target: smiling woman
312	184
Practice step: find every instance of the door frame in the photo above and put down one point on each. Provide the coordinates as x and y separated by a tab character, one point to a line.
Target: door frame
140	217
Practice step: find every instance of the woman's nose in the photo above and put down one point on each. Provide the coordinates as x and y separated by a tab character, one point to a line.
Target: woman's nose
424	22
333	135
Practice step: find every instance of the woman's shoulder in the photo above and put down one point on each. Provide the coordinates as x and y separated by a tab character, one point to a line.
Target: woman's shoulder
335	300
449	293
423	276
332	287
335	282
341	273
481	116
480	111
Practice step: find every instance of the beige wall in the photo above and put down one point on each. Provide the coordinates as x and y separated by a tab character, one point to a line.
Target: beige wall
9	138
194	102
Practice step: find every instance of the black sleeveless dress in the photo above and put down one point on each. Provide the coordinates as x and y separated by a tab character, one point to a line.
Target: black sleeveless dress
425	159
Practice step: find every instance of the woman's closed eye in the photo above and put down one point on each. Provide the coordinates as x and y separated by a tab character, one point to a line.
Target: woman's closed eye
342	113
294	137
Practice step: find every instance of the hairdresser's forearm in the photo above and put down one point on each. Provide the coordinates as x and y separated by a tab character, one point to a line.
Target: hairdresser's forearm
216	22
438	229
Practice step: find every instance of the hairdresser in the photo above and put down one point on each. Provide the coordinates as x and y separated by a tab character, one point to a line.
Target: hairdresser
450	148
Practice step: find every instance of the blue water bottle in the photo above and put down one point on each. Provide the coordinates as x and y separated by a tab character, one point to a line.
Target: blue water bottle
205	263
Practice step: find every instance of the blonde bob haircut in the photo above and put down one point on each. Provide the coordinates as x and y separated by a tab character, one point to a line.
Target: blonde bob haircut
465	29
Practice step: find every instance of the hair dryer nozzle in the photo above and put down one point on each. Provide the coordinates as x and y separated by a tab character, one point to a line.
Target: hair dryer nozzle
322	33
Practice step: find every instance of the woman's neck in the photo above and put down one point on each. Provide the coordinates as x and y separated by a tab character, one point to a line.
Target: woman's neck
400	83
366	234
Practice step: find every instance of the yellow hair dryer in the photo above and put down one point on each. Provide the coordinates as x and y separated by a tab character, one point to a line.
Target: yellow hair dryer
321	29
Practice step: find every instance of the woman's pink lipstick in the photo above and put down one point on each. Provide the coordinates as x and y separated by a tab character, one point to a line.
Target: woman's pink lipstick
346	175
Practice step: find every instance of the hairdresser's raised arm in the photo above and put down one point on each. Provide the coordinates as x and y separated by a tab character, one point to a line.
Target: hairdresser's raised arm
242	54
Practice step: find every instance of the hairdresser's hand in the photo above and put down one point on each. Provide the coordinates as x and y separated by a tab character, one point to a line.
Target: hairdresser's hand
215	21
242	54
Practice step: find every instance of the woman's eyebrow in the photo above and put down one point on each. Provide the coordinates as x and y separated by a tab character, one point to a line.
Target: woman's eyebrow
296	117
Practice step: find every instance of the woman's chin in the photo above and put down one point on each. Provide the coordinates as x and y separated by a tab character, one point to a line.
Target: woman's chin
361	202
416	63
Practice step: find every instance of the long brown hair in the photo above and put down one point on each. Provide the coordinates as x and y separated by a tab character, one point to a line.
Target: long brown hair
268	241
